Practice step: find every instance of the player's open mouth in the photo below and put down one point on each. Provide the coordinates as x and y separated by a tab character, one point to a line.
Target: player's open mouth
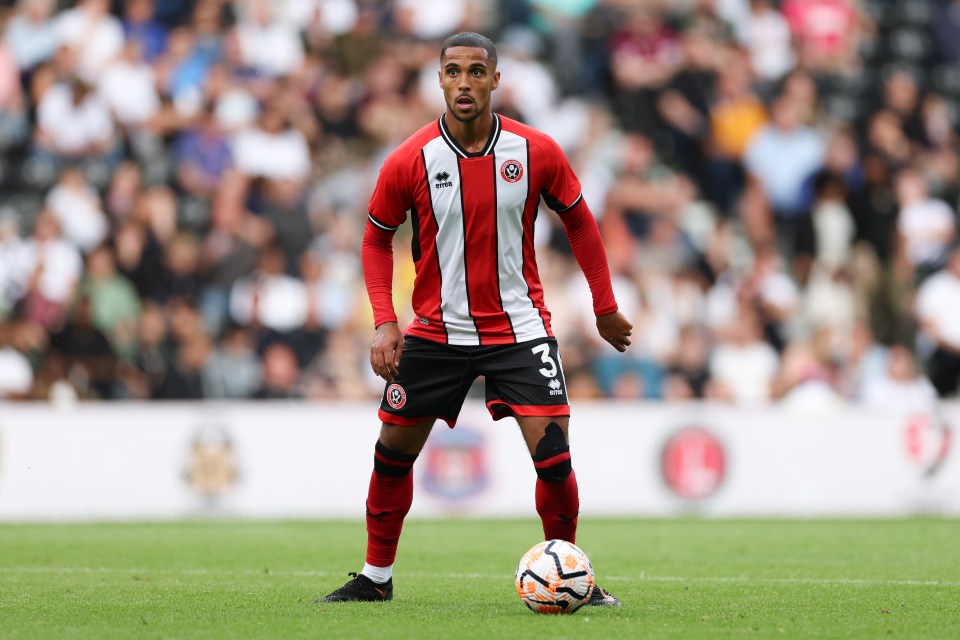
464	101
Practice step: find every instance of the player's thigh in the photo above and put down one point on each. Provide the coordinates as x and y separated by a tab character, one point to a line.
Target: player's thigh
406	439
431	382
525	380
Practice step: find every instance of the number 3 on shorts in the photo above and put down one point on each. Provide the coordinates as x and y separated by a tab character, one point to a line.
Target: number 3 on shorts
543	350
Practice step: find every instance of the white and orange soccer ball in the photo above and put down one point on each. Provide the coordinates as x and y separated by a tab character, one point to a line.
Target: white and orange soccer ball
554	577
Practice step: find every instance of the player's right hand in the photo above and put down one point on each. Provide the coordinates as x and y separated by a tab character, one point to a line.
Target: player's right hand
386	350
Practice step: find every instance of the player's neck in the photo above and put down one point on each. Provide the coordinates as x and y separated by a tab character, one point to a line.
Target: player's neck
471	136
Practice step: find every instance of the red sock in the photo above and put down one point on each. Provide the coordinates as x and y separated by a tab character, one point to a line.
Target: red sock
388	501
558	504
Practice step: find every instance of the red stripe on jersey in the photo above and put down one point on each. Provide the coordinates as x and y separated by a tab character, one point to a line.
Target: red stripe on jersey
530	272
479	203
426	294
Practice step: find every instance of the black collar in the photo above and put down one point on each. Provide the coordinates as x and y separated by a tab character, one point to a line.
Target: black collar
463	153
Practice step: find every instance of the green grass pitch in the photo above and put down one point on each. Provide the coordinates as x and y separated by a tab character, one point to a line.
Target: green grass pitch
685	578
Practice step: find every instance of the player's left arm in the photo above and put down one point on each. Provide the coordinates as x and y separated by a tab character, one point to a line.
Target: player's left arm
562	193
587	245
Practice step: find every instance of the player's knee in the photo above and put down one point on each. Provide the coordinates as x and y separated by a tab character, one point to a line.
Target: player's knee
392	463
552	457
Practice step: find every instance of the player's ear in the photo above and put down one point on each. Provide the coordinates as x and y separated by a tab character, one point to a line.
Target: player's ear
496	81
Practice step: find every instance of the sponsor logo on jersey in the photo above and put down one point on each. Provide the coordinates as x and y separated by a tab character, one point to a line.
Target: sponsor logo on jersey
511	171
396	396
423	321
442	180
693	463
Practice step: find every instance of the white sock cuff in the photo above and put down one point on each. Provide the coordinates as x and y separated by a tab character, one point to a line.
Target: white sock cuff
377	574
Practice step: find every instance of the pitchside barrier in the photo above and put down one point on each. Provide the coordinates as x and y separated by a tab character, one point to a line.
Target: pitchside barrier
295	460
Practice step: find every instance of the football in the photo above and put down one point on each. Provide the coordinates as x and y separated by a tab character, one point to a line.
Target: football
554	577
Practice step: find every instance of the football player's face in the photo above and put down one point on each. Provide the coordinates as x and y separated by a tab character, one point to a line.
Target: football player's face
467	76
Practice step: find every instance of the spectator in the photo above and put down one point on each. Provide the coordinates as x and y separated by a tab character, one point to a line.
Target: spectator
826	32
736	114
233	369
74	124
272	149
90	360
281	374
780	160
114	305
202	156
269	298
128	86
78	209
926	225
767	38
12	262
52	268
688	375
141	27
31	34
938	313
13	118
16	374
95	35
902	388
743	366
268	45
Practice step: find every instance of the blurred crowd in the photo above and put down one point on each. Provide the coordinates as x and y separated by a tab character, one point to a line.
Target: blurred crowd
183	189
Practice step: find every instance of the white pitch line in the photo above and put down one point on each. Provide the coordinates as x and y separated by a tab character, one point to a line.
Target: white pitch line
643	577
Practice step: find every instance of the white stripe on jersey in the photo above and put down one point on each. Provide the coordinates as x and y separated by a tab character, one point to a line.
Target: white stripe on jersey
440	159
511	200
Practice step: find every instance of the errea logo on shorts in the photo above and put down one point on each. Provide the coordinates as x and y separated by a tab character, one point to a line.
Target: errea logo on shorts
396	396
556	387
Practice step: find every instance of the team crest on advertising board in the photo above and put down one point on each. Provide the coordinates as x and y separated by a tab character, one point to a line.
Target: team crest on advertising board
396	396
693	463
456	464
928	440
212	469
511	171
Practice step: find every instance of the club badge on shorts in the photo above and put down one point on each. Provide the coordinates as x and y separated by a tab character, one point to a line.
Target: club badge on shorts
396	396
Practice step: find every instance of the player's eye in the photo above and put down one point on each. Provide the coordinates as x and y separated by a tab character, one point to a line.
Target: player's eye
477	73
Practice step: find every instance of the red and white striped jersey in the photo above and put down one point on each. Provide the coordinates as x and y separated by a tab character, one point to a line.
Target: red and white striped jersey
472	217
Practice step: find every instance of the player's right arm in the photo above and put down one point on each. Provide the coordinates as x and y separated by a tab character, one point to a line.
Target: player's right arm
387	211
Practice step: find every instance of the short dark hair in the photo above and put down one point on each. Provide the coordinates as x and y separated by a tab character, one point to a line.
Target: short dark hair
470	39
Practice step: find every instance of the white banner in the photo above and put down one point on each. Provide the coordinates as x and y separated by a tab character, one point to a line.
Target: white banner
280	460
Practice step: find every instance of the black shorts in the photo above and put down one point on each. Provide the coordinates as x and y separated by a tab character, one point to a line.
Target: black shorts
523	379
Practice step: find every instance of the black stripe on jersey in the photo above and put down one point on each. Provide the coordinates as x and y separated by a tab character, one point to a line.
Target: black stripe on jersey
463	153
436	223
415	239
379	224
557	205
536	212
466	272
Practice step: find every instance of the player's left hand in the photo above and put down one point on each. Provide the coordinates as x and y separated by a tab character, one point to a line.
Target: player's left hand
615	329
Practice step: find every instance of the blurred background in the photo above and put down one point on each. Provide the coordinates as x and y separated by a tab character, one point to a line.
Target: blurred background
183	188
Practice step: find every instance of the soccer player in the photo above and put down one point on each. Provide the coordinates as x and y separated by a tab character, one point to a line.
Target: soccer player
471	183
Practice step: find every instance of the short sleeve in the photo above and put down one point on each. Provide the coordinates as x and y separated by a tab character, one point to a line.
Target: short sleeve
391	197
561	188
